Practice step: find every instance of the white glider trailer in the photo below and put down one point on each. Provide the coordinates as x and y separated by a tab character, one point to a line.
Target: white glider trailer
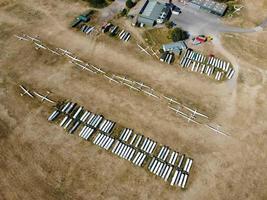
54	115
64	121
74	127
136	140
173	158
77	114
165	163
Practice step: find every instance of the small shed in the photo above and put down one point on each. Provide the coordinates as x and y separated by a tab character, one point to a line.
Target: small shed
175	47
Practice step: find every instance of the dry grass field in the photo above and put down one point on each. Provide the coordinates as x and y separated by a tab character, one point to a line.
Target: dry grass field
38	160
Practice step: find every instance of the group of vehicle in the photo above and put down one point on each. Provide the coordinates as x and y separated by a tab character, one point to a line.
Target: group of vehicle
114	30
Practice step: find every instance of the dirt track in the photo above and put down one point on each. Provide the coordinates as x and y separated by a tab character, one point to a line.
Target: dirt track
40	161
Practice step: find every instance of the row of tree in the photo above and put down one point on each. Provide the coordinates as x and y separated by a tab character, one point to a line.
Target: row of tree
102	3
129	4
97	3
177	34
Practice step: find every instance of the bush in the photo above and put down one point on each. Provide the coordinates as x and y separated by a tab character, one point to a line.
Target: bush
124	12
161	51
178	34
168	24
129	4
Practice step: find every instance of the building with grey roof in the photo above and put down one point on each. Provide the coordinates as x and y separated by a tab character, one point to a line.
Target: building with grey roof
153	12
210	6
175	47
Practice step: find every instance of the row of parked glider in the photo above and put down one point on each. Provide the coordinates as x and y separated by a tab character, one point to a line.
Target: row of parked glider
180	109
32	94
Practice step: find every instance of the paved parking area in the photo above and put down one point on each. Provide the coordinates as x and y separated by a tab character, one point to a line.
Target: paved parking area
200	22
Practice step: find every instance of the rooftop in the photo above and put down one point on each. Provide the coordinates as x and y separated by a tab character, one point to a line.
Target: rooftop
175	47
212	6
153	9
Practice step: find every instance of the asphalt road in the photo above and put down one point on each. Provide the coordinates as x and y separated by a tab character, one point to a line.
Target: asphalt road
113	9
264	24
200	22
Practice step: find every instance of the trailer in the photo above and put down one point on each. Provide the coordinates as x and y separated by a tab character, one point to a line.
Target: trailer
170	59
189	165
163	56
67	123
133	139
127	38
74	127
181	159
183	62
113	30
202	68
174	178
70	108
64	121
122	31
203	58
187	65
76	114
117	143
184	181
230	73
138	141
197	66
122	35
173	158
227	67
54	115
65	107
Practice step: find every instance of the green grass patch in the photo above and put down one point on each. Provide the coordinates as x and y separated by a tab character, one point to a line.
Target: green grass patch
157	36
231	8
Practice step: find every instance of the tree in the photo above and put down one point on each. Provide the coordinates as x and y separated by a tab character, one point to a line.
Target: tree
129	4
97	3
178	34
